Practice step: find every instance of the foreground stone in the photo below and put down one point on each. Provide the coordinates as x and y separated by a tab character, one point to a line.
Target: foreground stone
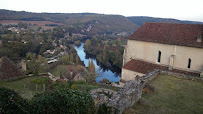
130	93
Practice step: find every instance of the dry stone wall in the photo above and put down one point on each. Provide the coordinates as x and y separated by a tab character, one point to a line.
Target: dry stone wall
130	93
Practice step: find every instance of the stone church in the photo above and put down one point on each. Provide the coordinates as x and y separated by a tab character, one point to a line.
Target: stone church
166	46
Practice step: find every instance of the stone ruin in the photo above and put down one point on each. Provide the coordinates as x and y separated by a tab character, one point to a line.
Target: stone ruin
128	94
131	92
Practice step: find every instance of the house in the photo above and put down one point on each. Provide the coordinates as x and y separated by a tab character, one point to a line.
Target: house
8	69
166	46
73	75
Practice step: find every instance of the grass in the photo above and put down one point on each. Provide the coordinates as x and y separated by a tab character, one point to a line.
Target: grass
59	70
170	95
25	87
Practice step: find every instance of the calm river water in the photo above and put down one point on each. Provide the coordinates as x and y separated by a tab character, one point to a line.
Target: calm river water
112	74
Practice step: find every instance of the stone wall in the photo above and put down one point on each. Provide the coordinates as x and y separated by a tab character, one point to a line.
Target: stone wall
131	92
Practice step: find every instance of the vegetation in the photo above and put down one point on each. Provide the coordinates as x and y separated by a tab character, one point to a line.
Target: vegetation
140	20
59	70
64	101
11	102
26	87
170	94
101	23
68	101
91	74
33	64
106	52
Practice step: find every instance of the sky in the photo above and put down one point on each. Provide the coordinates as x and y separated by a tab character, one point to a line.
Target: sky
179	9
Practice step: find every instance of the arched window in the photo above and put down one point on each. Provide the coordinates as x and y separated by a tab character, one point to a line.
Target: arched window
159	57
189	63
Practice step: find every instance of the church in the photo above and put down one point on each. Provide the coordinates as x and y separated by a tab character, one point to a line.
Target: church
166	46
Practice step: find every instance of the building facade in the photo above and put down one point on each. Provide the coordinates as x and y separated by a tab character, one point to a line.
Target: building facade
174	47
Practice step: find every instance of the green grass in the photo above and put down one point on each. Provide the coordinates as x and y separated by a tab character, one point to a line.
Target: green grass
59	70
25	87
171	95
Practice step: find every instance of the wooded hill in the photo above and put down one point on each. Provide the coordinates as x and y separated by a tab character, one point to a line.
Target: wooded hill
140	20
99	23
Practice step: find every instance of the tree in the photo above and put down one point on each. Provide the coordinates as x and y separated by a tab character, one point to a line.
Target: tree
71	58
91	75
33	65
11	102
22	25
63	101
89	65
92	66
77	60
40	58
87	44
78	43
45	61
65	59
118	43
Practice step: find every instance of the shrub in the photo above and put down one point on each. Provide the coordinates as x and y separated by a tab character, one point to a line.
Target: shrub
40	80
63	101
12	103
104	109
74	87
80	82
105	81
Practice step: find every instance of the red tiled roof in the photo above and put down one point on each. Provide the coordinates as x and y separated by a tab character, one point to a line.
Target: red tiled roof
170	33
146	67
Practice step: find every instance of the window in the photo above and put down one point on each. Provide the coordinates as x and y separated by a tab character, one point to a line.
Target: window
159	57
189	63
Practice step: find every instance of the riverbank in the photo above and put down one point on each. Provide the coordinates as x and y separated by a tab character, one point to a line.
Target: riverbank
101	71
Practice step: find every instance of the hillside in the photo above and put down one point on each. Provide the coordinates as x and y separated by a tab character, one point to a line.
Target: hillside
140	20
98	22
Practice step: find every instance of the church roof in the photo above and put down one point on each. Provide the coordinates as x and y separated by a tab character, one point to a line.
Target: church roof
146	67
170	33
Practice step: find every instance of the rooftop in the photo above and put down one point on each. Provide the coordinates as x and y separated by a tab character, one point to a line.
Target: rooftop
146	67
170	33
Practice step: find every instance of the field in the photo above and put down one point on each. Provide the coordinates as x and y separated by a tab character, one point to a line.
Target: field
26	86
34	23
171	95
59	70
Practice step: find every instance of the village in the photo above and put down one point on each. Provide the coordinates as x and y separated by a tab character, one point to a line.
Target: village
53	67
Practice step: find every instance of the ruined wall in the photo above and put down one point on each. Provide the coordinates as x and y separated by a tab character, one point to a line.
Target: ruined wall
130	93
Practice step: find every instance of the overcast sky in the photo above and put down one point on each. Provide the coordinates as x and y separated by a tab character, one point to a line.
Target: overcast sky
178	9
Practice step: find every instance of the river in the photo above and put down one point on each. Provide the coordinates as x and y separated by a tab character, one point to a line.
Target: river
112	74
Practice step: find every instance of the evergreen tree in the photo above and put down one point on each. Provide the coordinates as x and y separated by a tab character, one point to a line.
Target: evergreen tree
87	44
33	66
39	58
92	66
71	58
89	65
65	59
77	60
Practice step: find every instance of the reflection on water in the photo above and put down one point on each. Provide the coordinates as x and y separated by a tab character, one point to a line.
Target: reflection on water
112	74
